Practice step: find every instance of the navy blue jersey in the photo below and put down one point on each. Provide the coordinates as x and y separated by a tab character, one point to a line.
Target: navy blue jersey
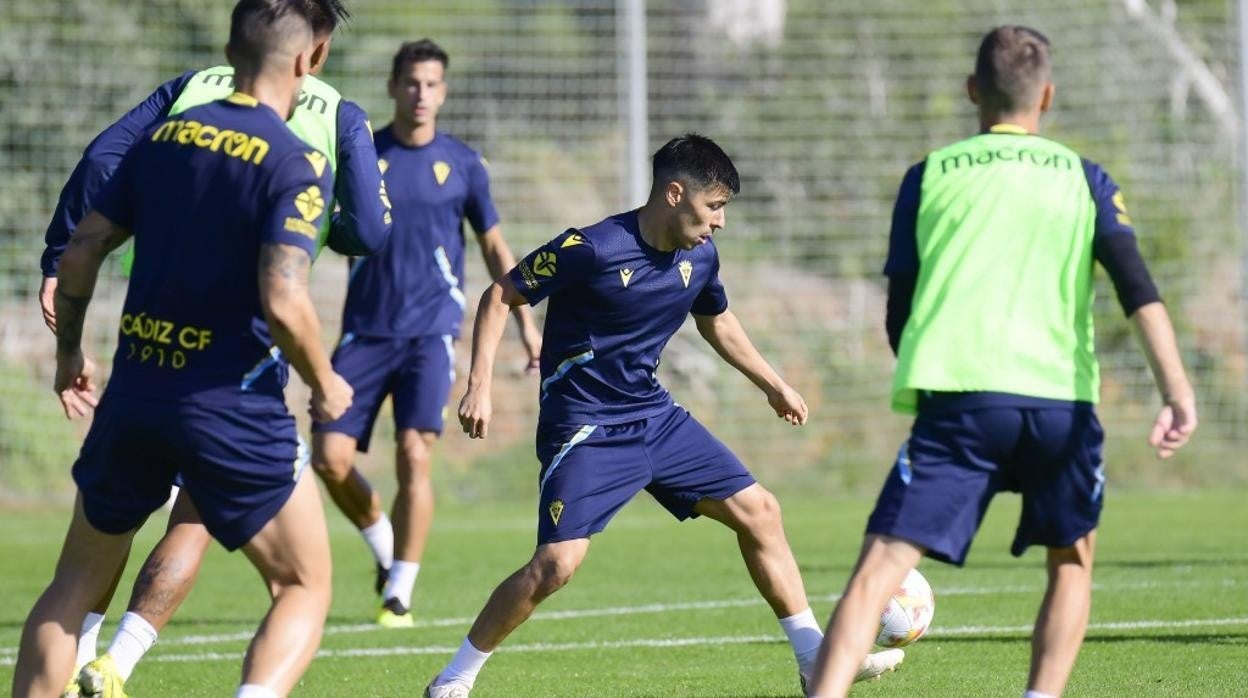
615	301
201	193
414	286
361	227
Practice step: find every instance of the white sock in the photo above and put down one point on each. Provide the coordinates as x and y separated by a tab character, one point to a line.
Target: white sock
87	638
804	636
464	666
1037	694
380	537
135	636
402	579
255	690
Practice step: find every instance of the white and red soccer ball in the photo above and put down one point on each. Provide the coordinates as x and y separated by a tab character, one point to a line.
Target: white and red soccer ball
908	613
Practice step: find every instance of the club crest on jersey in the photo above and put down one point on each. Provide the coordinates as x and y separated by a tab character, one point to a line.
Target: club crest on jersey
626	275
317	161
686	270
544	264
441	171
556	510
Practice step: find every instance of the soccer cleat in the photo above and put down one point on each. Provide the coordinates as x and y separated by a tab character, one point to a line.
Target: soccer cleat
100	679
453	689
395	615
878	663
379	581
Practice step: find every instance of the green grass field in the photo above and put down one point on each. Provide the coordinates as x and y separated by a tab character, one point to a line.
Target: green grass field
662	609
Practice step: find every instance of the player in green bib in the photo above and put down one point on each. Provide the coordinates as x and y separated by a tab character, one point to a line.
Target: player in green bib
339	130
990	269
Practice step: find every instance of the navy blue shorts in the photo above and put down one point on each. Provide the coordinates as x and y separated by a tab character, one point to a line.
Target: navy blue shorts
956	459
589	472
416	372
239	463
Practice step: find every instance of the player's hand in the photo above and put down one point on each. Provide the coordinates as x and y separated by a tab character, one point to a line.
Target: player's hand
47	292
331	399
788	405
1175	424
475	411
533	346
73	384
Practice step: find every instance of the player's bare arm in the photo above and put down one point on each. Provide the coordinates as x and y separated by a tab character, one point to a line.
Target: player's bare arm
487	331
725	333
295	328
1177	419
80	267
499	260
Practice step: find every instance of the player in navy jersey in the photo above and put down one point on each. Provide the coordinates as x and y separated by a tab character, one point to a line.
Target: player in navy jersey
607	429
401	319
360	227
224	204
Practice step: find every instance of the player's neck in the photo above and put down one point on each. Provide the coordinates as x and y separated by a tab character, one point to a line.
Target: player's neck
653	228
414	135
1030	122
267	93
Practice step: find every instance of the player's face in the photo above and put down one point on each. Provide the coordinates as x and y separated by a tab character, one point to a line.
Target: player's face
419	92
700	214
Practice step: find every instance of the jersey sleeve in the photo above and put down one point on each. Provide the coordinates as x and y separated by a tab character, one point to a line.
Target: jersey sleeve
115	200
903	245
363	222
297	203
1114	243
479	207
1111	207
712	299
97	165
564	262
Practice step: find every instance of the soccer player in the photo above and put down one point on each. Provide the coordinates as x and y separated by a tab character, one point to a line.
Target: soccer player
990	312
401	320
607	429
213	288
334	126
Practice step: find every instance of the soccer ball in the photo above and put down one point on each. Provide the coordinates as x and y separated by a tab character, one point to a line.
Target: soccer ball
908	613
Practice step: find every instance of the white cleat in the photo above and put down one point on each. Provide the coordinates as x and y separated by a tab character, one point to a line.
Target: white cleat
879	663
453	689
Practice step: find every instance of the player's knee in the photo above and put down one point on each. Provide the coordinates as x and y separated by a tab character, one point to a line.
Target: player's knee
552	572
330	468
414	466
760	512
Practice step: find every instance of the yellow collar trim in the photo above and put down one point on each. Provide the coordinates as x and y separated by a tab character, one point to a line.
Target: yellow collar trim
243	100
1008	128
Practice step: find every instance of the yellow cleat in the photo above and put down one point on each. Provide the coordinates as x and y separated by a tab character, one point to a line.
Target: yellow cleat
100	679
395	615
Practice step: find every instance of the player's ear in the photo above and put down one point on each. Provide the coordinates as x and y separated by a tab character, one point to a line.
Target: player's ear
972	90
674	193
1046	97
303	63
320	54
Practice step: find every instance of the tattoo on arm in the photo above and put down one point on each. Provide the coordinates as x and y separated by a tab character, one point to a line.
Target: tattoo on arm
283	269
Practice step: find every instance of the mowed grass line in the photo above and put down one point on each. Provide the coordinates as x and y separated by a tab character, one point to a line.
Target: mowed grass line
682	590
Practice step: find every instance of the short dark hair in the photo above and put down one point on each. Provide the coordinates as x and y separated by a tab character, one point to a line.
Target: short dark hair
1012	68
261	28
418	52
326	15
697	162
